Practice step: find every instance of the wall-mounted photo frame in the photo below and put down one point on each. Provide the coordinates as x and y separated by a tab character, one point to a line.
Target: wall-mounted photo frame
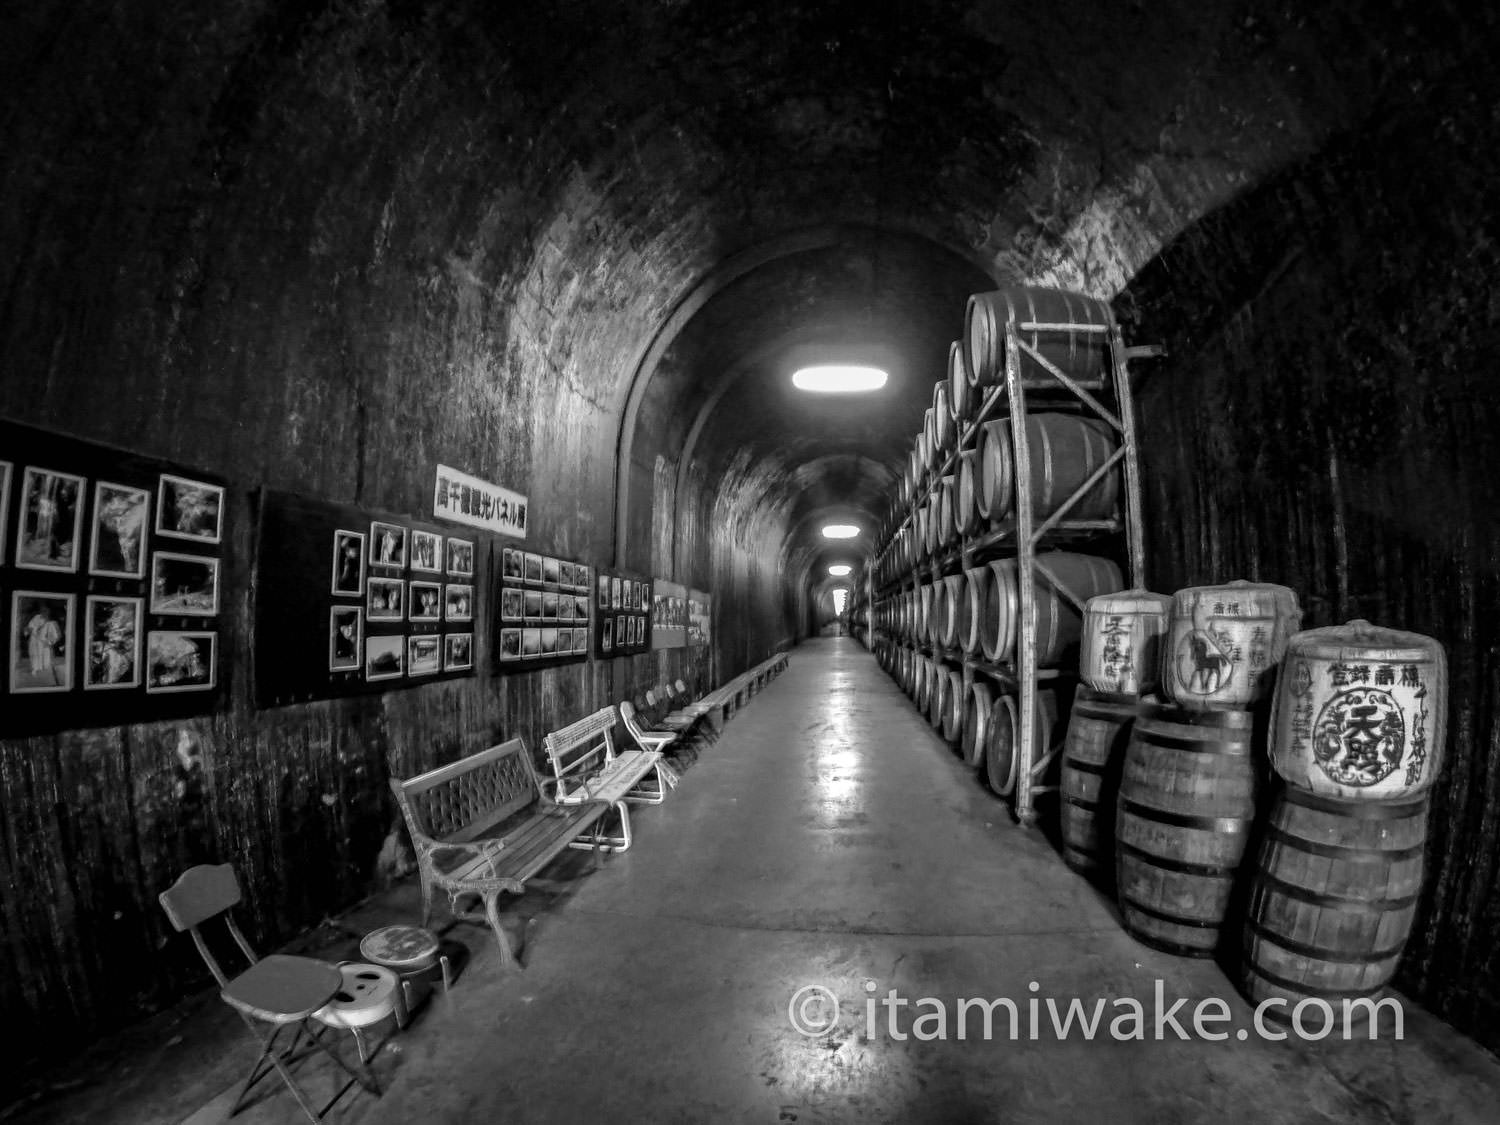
425	550
458	651
346	638
549	640
580	642
512	564
533	564
510	644
385	599
387	545
458	602
179	661
531	606
531	643
549	605
425	602
550	570
603	591
565	607
112	642
606	636
41	642
617	593
189	509
564	573
51	521
184	585
348	566
460	559
424	655
385	657
512	603
121	523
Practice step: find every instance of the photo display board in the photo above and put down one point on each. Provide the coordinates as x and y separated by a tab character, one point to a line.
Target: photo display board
669	615
111	585
700	617
349	601
545	610
622	607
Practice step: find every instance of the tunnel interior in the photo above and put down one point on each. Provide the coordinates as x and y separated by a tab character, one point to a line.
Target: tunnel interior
578	250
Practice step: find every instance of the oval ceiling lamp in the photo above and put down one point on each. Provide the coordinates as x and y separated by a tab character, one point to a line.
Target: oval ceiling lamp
840	531
838	570
838	379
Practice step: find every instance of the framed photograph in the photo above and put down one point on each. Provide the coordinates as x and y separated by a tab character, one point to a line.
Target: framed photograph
511	561
531	644
635	631
606	635
387	544
117	548
349	566
384	657
617	593
189	509
346	634
566	574
458	651
580	642
512	604
41	642
426	553
583	581
549	641
510	644
550	569
533	567
424	655
385	599
549	606
5	467
564	642
51	518
580	607
603	591
532	606
565	607
460	561
458	603
180	662
112	639
426	602
184	585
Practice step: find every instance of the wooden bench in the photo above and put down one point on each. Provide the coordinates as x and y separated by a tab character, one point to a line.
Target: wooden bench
482	825
586	767
725	701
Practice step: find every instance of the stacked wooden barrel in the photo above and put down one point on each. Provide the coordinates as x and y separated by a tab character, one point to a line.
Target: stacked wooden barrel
1357	736
1193	771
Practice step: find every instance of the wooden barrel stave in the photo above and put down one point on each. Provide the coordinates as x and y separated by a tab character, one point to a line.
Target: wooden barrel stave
1098	732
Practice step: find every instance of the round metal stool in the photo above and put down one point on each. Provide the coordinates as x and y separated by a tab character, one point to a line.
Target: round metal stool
368	994
409	951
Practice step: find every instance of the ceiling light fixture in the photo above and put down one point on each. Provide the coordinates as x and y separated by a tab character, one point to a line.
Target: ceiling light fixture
840	531
838	570
838	378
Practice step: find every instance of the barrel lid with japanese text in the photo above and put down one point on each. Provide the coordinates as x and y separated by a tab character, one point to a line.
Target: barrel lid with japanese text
1360	713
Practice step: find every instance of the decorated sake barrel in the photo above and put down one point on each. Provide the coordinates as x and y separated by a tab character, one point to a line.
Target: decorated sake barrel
1093	755
1332	900
971	606
1068	330
1188	789
1004	737
966	514
955	609
943	427
953	712
1059	623
979	701
1359	713
1064	450
937	694
1225	643
960	392
1120	649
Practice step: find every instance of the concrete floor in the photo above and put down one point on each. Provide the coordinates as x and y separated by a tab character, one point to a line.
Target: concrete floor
827	839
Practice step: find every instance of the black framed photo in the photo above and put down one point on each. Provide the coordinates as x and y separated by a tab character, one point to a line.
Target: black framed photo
51	520
41	642
184	585
549	640
531	644
550	570
606	635
458	652
510	644
458	603
117	548
346	634
112	634
424	655
426	600
581	642
603	591
512	563
426	549
385	599
580	607
189	509
387	544
564	642
511	605
460	561
549	605
348	565
583	581
565	607
180	661
533	569
385	657
564	573
532	606
617	592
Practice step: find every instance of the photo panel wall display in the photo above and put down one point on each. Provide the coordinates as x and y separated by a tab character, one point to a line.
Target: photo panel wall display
121	526
540	593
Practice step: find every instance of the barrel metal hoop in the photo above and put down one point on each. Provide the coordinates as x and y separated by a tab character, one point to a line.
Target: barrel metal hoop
1163	916
1088	695
1338	902
1223	719
1176	865
1313	991
1080	803
1227	825
1332	851
1114	718
1084	767
1317	952
1357	810
1221	747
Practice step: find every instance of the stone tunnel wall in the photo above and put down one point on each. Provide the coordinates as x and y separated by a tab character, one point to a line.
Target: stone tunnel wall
1328	418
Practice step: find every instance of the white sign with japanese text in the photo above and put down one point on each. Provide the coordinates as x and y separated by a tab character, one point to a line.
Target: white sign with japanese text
468	500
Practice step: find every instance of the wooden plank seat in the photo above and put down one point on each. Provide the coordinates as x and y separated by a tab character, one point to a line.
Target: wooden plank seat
585	765
483	826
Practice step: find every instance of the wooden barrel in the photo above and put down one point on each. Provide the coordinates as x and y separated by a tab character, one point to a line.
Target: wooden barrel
1120	650
953	708
955	610
1331	903
970	607
978	702
989	433
1225	643
1064	451
1003	736
937	694
1184	816
966	514
944	430
1059	623
947	500
921	684
1069	330
1360	712
960	391
1093	755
